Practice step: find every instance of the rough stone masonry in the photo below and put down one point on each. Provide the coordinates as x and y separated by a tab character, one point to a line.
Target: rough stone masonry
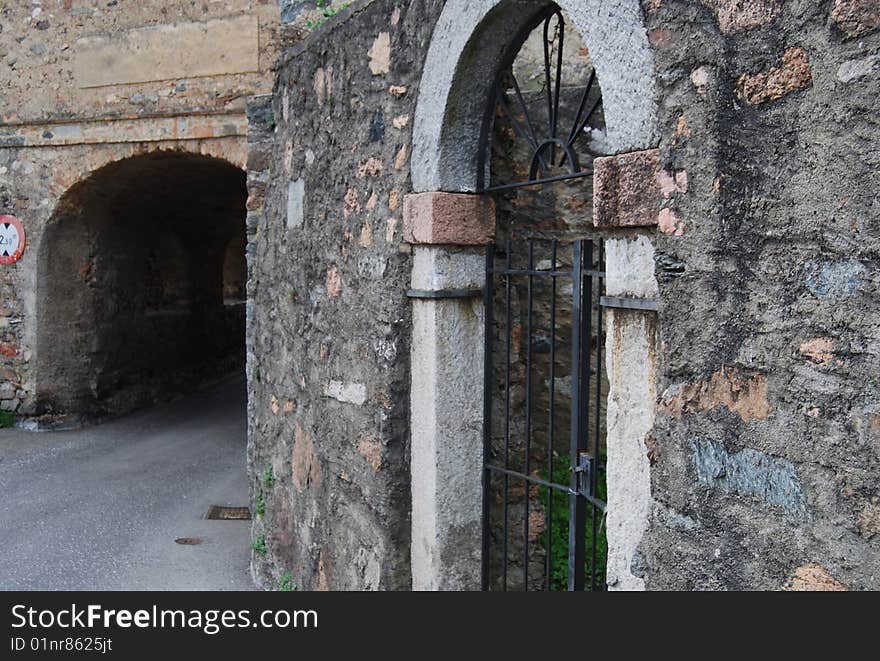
759	455
765	447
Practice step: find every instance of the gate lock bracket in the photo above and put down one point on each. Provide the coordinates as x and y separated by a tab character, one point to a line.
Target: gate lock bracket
584	471
586	465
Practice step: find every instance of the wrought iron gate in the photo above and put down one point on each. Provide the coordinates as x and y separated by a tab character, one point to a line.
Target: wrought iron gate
529	461
543	477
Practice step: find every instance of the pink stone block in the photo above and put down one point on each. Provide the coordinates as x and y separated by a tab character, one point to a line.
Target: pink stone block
626	192
448	219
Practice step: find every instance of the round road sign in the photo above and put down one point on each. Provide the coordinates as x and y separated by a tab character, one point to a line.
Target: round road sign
12	240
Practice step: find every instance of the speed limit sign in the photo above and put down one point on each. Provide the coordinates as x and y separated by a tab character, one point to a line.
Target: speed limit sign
12	240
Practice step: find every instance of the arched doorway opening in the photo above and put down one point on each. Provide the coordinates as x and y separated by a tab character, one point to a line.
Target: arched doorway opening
453	211
134	269
545	454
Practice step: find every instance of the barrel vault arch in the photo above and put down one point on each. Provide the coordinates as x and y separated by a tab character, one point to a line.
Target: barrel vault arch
129	295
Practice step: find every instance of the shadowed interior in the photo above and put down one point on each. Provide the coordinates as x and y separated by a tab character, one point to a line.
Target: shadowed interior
141	284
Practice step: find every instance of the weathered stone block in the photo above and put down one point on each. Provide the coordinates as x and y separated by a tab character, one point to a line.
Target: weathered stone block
733	15
856	17
625	189
448	219
740	391
869	520
10	350
259	158
225	46
853	70
793	74
296	192
813	577
752	474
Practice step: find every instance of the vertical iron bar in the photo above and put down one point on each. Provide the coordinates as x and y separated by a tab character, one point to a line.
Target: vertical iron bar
576	504
587	442
560	27
549	550
586	345
528	448
547	82
489	380
598	431
584	365
507	331
553	93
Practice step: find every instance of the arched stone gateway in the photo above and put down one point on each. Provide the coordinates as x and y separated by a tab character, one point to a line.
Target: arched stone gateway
739	290
130	288
453	123
472	39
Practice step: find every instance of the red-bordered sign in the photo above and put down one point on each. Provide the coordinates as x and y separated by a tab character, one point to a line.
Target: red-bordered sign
12	240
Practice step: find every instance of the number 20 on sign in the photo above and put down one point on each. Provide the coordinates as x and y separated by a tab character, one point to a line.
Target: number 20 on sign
12	240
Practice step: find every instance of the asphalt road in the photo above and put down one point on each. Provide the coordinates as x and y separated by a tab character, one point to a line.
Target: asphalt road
100	508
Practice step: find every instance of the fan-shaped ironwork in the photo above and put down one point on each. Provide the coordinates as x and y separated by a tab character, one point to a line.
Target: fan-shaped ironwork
553	146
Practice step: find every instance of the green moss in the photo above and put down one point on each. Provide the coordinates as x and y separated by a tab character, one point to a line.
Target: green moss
287	583
259	545
327	12
260	505
268	477
7	419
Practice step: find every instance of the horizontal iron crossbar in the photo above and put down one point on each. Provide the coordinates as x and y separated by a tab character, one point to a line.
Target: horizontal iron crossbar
538	272
599	504
434	294
538	182
649	304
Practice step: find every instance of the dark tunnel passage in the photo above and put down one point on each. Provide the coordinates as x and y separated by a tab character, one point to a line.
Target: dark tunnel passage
141	286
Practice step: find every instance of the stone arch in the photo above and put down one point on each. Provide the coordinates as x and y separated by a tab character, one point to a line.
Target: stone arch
471	40
232	149
130	284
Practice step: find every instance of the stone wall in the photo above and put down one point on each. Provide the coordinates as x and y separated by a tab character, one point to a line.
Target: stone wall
63	59
330	329
764	444
759	470
766	448
77	99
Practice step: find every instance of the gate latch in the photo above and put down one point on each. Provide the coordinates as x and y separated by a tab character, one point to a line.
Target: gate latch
584	469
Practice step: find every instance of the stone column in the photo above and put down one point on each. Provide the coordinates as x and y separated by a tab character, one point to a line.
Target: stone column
449	232
628	192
